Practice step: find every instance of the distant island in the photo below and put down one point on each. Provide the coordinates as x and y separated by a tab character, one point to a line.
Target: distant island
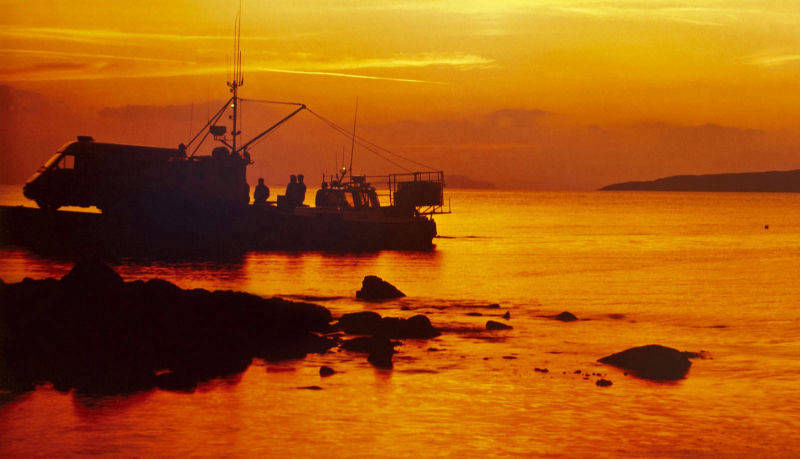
771	181
462	181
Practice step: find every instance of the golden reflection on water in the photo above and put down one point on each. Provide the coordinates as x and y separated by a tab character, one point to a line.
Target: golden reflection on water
691	271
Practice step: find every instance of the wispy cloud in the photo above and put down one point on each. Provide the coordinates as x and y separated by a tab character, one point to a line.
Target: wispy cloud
104	36
41	52
58	71
131	66
774	60
343	75
463	61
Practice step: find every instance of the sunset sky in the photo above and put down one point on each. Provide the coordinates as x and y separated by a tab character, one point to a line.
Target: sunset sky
609	64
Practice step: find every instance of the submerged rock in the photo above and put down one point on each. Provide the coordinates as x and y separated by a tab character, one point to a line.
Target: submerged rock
603	382
310	388
375	288
566	317
651	362
494	325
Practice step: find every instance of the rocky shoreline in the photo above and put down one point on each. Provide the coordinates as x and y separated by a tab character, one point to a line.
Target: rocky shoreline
95	333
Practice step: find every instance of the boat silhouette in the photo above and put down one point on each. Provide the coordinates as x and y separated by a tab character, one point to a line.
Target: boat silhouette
164	196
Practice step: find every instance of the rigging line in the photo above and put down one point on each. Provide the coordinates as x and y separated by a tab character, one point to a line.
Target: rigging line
346	133
213	119
269	101
364	142
362	139
395	154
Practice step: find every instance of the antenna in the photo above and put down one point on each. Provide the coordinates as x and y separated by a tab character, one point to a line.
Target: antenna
353	144
237	79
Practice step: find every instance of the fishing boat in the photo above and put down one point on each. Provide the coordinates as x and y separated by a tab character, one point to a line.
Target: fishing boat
177	197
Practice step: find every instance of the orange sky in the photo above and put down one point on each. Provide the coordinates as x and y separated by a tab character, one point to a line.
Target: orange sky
607	63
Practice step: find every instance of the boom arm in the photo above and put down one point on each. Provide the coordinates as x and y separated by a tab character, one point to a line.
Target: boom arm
270	129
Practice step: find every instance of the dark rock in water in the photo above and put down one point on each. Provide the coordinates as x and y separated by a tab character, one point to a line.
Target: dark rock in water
494	306
379	348
603	382
371	323
493	325
651	362
360	323
310	388
92	274
99	335
418	327
507	315
375	288
326	371
542	370
405	308
566	317
474	314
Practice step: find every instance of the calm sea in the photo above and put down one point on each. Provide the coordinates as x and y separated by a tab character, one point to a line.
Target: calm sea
694	271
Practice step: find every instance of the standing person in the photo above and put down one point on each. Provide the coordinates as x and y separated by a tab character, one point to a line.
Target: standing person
261	193
291	188
301	190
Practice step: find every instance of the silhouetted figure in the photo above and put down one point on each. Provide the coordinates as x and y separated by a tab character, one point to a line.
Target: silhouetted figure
301	191
291	188
321	198
261	193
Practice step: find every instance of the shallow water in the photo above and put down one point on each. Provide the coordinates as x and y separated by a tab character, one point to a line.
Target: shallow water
694	271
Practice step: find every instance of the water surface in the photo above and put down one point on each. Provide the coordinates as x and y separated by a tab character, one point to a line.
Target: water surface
694	271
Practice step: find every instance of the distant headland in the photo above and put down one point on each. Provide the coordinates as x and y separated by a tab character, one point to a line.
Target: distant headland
771	181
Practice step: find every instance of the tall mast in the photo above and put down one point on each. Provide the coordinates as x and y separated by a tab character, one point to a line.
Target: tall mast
237	79
353	144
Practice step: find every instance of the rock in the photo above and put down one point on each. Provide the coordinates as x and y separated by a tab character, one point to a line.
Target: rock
492	325
566	317
494	306
375	288
603	382
92	274
360	323
651	362
326	371
507	315
417	327
379	348
371	323
474	314
107	336
310	388
542	370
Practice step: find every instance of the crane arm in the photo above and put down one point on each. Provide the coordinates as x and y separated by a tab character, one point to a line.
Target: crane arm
270	129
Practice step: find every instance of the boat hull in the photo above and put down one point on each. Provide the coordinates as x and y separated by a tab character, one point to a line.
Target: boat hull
245	228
